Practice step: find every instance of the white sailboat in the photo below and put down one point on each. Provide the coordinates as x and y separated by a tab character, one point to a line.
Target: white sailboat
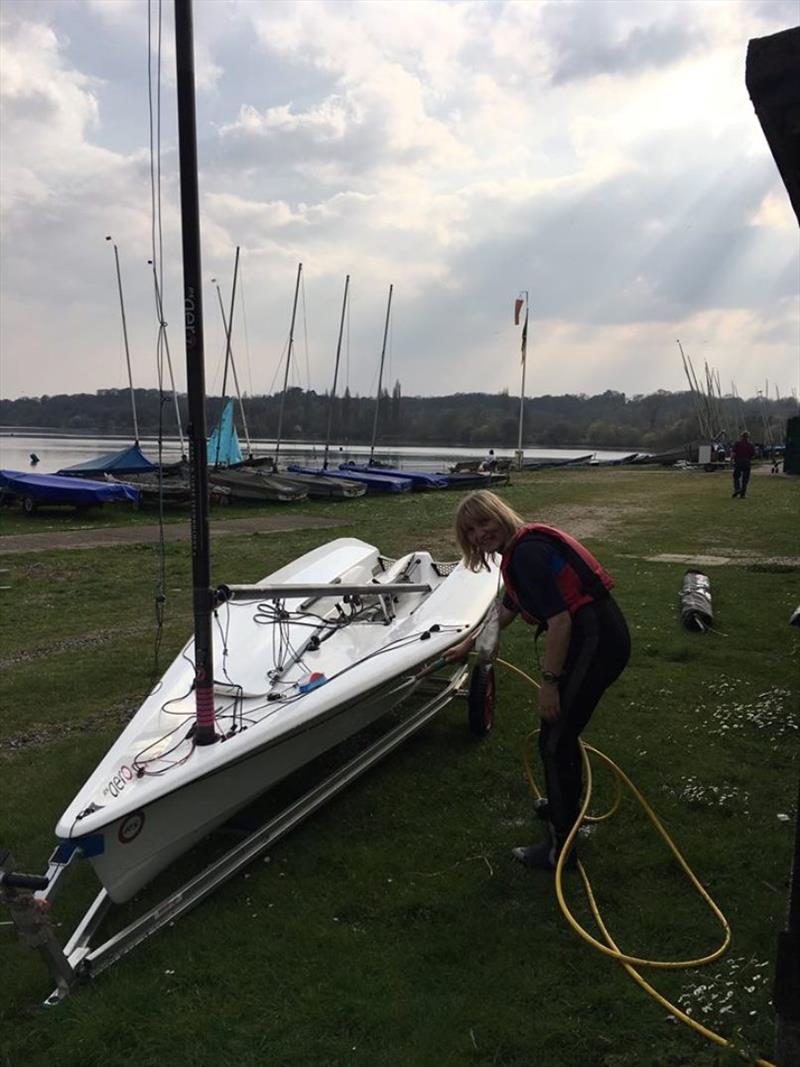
313	653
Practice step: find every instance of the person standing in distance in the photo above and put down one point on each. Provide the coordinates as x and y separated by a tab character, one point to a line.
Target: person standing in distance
554	583
742	454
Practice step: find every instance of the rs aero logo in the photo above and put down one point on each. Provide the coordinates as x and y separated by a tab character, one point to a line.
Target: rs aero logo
131	827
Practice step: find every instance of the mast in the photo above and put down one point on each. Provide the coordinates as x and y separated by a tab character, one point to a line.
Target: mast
380	376
125	336
741	421
335	375
522	387
288	362
233	369
700	400
227	324
228	328
195	374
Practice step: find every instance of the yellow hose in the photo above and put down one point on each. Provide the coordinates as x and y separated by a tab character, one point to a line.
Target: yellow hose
611	949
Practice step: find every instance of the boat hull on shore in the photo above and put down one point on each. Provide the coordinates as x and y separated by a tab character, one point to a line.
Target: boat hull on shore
296	676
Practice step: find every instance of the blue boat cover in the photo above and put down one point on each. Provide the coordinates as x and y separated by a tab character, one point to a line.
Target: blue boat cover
224	449
419	479
128	461
376	483
54	489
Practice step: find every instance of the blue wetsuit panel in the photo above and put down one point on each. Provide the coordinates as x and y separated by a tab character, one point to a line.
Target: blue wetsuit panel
534	570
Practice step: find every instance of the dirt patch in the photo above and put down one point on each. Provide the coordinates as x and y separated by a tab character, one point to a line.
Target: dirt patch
765	563
132	535
607	522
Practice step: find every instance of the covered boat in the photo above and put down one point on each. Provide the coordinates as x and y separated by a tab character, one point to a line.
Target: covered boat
127	461
331	643
419	479
475	479
541	464
320	487
35	489
252	485
375	483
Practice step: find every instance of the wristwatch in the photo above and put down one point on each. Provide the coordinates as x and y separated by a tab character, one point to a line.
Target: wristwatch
548	676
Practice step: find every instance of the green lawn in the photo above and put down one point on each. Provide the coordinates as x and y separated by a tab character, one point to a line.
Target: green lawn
393	927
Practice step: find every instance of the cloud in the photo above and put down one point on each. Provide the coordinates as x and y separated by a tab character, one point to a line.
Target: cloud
616	39
781	12
47	110
603	156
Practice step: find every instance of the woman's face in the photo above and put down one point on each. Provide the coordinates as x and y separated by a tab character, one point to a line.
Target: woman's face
486	534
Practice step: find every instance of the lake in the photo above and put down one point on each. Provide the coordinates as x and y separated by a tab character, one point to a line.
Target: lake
56	451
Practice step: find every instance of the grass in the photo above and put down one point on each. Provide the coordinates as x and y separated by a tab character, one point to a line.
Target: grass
393	927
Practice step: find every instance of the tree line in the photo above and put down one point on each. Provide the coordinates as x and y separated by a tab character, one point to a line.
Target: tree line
653	422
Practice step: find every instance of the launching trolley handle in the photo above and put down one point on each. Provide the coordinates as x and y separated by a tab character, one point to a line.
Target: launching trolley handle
12	880
225	593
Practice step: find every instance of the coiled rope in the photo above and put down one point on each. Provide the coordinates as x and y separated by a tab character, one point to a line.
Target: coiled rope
610	948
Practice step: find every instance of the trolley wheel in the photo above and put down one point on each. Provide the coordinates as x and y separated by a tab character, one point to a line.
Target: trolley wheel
28	505
481	700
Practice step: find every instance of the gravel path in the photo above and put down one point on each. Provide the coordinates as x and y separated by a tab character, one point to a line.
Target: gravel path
177	531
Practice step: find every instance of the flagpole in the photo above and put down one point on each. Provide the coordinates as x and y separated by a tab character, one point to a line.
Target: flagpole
522	388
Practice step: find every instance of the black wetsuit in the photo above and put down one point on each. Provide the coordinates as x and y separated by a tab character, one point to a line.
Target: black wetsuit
599	649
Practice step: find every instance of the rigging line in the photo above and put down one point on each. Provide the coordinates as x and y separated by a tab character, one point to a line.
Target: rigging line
156	235
158	163
278	368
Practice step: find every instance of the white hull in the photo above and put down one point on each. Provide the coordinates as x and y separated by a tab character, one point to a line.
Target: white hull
155	793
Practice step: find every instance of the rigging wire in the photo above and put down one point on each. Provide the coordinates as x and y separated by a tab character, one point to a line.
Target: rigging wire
271	389
157	251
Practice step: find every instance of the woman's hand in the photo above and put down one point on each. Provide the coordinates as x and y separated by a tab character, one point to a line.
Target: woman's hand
458	653
549	701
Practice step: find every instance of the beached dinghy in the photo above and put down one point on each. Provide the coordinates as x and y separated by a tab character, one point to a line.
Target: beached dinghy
332	643
275	675
419	479
375	483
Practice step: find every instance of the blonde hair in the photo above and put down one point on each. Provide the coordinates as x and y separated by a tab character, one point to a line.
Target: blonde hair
475	508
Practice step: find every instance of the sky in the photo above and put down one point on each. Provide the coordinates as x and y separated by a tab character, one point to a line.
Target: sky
601	155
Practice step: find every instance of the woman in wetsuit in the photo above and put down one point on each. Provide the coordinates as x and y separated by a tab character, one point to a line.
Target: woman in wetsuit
556	584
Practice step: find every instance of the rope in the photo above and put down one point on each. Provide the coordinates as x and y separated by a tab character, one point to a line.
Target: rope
610	948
